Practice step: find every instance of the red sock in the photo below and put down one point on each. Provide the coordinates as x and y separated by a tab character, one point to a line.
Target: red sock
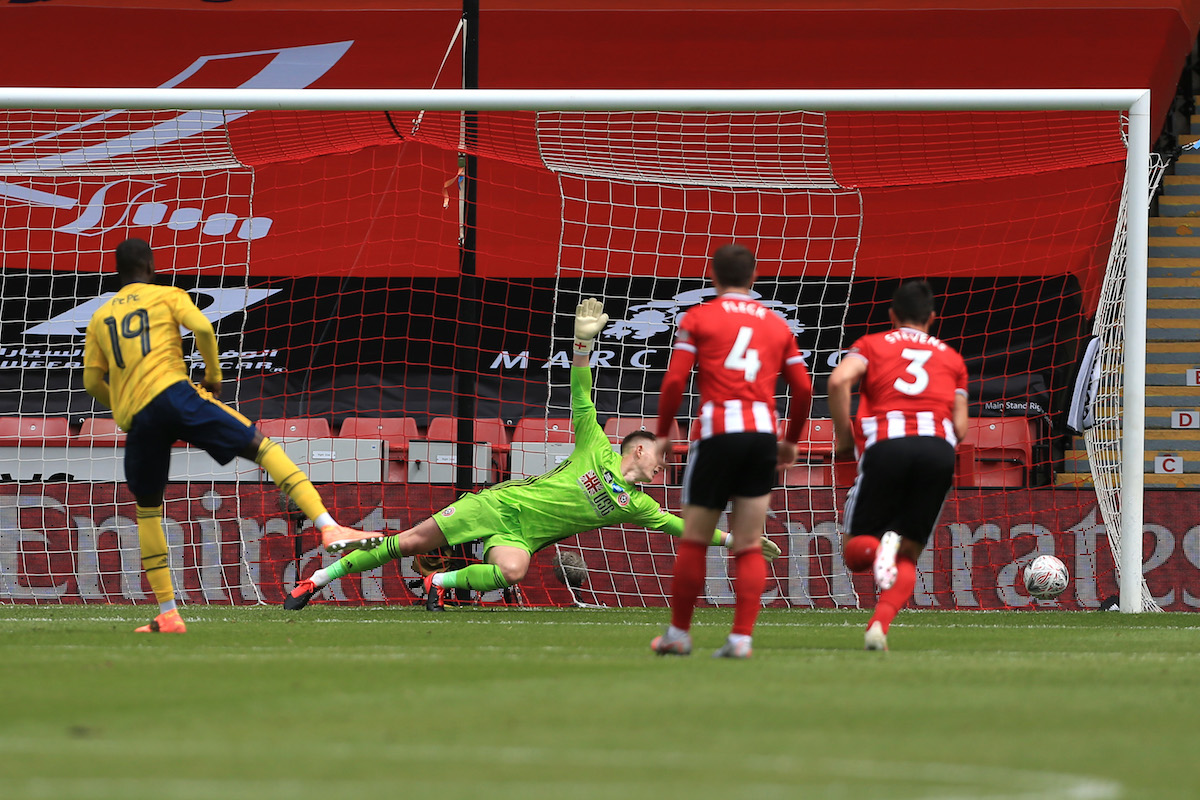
895	598
688	582
859	552
748	584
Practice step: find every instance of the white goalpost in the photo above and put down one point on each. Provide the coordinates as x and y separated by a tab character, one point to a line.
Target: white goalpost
1121	318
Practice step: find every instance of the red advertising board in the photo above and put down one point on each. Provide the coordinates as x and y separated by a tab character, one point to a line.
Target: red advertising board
231	544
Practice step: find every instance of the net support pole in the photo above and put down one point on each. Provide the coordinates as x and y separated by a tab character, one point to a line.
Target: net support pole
468	332
1133	428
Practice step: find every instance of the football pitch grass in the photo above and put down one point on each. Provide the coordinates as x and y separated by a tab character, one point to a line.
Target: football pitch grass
508	703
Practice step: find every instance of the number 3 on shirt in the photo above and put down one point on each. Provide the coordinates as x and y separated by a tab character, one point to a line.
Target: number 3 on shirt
744	358
916	368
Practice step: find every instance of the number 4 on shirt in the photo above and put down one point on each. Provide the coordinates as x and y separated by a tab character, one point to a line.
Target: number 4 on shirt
744	358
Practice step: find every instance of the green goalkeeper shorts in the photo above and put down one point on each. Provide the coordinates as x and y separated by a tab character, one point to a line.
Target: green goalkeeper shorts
481	517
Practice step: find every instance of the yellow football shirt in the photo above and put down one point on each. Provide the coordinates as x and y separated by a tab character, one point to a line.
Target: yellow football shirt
135	338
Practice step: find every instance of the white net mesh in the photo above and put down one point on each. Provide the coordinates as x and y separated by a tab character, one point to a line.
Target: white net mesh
1104	440
837	209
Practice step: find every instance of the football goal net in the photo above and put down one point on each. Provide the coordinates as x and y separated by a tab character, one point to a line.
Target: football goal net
392	276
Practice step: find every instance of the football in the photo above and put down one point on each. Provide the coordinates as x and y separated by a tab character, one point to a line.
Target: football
1046	577
570	568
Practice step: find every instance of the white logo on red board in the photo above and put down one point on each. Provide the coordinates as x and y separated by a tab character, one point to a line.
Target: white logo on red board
223	302
102	206
659	316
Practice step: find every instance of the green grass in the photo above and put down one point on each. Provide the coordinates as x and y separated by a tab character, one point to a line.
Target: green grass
337	702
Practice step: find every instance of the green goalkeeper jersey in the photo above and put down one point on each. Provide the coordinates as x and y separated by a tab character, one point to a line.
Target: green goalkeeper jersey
585	492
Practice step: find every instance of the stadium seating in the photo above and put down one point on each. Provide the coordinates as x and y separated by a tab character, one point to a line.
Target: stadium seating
539	445
803	473
816	443
396	431
99	431
541	429
814	453
300	427
26	431
965	473
487	431
1001	450
618	428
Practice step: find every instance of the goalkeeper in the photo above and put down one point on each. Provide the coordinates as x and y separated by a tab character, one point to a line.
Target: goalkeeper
593	488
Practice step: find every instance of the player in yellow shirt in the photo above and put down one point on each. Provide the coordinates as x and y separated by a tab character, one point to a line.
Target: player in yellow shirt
133	364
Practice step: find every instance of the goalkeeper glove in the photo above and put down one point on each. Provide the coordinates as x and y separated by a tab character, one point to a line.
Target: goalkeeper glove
770	550
590	319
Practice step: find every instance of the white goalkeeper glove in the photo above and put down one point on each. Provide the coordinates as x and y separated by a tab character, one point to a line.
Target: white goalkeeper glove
590	319
770	550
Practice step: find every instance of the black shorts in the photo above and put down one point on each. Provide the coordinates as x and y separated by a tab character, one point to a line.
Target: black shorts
181	411
901	486
729	465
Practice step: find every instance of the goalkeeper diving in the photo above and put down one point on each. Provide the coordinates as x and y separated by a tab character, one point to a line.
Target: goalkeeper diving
593	488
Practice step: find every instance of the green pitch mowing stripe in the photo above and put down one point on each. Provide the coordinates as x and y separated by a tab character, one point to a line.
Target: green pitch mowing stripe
339	702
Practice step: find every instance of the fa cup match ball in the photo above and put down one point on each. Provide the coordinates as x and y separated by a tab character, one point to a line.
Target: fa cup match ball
570	568
1046	577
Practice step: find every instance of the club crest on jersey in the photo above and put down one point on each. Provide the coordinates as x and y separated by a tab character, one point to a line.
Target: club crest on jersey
594	488
618	490
448	511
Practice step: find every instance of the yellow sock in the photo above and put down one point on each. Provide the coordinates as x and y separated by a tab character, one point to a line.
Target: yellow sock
153	543
290	479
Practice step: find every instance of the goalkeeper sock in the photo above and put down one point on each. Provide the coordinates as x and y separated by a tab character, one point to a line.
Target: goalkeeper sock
292	481
358	561
687	582
750	579
478	577
859	552
153	543
895	598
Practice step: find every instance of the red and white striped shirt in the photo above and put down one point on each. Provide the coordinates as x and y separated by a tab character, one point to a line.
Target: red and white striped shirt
909	386
739	347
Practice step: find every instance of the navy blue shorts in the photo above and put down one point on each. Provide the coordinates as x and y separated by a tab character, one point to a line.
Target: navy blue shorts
729	465
181	411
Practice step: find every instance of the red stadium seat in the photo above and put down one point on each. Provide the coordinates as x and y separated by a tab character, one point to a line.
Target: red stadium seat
100	431
816	443
396	431
1003	451
618	428
543	430
806	474
299	427
814	454
539	444
965	472
34	431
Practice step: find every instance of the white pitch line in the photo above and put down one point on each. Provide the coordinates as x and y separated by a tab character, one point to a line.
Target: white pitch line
770	771
496	618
